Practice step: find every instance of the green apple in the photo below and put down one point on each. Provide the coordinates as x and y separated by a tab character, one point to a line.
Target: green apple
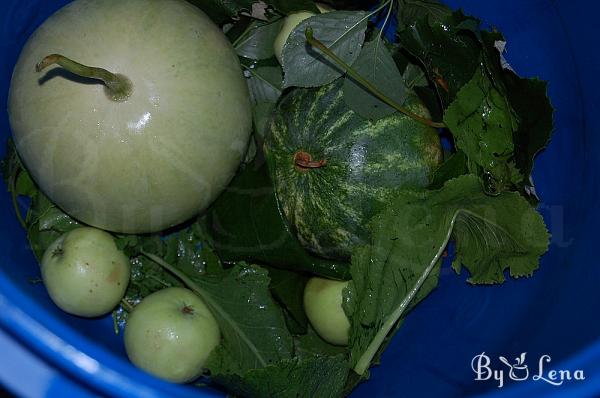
289	23
323	307
149	130
85	273
170	334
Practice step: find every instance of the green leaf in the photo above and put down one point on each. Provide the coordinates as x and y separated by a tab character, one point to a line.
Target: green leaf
376	65
400	266
45	223
261	113
414	76
264	83
342	31
483	124
311	345
454	166
222	10
257	42
397	269
252	324
321	377
24	185
245	224
287	288
413	10
530	101
287	7
450	55
496	234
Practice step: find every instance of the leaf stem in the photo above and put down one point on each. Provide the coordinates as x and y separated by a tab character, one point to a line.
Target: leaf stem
365	83
118	87
366	358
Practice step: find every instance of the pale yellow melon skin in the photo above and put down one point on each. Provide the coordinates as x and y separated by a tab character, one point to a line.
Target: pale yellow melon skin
158	158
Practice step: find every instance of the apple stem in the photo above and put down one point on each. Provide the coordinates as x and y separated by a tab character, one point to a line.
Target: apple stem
118	87
58	252
187	310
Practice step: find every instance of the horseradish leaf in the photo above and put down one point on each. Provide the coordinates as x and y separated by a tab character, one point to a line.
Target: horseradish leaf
251	322
400	265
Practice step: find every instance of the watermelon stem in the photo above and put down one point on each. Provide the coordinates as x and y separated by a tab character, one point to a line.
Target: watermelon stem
303	161
365	83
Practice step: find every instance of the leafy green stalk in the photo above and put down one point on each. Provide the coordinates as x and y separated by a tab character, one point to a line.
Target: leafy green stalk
374	90
398	269
365	360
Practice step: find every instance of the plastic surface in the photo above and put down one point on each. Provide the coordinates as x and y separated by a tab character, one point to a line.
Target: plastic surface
554	313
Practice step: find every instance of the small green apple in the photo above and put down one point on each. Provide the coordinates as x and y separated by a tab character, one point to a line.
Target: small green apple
85	273
323	307
170	334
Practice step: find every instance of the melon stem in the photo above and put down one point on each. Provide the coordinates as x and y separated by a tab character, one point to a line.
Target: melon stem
118	87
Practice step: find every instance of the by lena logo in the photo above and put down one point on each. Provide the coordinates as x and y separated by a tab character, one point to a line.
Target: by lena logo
518	370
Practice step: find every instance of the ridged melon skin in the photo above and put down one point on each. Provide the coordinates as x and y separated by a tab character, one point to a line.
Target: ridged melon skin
366	161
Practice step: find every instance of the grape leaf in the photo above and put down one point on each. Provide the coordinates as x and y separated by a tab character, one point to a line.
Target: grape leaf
400	265
376	65
342	31
483	124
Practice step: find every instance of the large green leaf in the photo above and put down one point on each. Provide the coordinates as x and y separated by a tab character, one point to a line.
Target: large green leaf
376	65
252	324
400	265
245	224
321	377
342	31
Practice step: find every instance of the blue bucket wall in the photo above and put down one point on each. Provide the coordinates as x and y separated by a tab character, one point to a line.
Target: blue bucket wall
552	313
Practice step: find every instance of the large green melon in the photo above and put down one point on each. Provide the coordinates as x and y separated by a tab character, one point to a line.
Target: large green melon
333	170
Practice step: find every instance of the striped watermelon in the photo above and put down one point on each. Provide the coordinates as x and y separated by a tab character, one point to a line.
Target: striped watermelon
332	170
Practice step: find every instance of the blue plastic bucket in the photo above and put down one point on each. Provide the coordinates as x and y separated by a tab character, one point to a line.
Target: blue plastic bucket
550	317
